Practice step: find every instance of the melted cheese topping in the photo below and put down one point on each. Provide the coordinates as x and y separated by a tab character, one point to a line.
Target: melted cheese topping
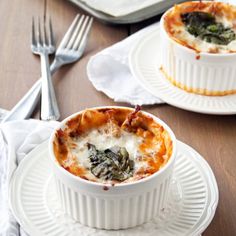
147	143
224	13
104	140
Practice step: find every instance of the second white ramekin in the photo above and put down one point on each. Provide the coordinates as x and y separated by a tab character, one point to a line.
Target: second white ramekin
201	73
113	207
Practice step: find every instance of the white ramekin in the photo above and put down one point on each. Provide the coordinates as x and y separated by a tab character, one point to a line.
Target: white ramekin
113	207
201	73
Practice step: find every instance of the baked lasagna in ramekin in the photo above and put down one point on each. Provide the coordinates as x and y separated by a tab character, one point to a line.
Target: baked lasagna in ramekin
112	166
199	47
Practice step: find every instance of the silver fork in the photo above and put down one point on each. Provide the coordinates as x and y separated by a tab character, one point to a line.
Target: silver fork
66	53
43	45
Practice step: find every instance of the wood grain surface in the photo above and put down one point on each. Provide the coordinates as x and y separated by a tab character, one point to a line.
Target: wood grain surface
214	137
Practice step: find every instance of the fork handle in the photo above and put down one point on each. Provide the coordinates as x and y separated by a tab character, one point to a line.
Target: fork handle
49	106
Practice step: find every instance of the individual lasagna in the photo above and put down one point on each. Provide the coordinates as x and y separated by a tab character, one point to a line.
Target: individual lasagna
204	26
112	145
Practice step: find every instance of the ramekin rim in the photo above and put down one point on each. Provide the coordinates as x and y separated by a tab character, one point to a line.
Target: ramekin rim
119	185
187	49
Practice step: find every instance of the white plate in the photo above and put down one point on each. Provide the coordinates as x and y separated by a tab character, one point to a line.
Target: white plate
191	205
145	63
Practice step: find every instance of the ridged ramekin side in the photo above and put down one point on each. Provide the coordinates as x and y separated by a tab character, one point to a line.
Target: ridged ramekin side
113	212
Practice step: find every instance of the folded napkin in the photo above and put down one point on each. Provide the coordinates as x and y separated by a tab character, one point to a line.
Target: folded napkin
109	72
17	139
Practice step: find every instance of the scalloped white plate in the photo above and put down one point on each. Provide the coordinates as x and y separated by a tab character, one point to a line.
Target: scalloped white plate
144	61
192	200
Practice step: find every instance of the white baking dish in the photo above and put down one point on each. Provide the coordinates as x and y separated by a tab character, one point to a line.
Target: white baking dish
113	207
197	72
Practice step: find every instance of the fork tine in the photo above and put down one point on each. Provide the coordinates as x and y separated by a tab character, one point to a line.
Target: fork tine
51	37
68	34
82	38
75	33
33	39
80	32
45	39
39	33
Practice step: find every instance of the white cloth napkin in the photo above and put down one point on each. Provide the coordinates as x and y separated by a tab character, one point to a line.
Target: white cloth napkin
109	72
17	139
3	112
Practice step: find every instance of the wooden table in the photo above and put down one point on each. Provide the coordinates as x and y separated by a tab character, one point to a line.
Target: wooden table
214	137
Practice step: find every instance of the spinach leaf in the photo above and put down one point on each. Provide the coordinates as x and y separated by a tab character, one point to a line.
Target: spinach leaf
110	164
204	26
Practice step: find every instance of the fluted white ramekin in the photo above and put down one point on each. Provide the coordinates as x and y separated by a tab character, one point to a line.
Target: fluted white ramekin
113	207
201	73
